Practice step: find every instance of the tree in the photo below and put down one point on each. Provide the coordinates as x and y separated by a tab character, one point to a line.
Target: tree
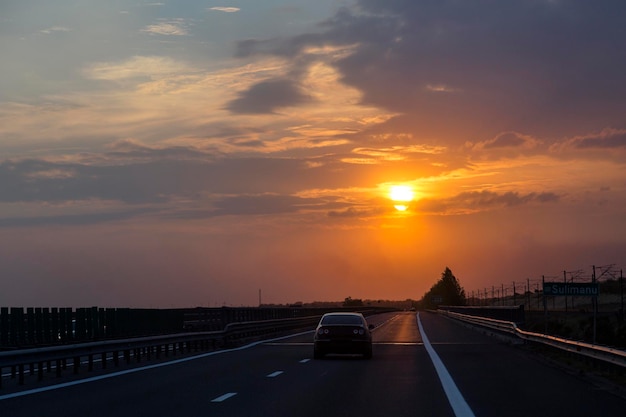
447	291
350	302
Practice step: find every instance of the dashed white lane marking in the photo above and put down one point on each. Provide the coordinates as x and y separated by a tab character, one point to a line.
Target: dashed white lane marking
305	360
144	368
274	374
455	398
223	397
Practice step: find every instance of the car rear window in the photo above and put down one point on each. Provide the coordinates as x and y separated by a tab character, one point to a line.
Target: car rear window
342	319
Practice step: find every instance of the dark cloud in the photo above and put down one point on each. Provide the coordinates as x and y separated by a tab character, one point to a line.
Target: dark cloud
138	176
73	219
267	97
485	200
508	139
608	139
545	67
260	204
154	181
354	212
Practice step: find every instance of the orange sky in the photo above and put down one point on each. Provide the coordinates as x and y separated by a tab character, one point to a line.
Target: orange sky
168	155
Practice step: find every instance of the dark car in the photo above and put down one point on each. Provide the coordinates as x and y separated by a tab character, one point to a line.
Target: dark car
342	333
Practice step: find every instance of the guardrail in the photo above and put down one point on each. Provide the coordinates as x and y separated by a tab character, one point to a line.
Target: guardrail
602	353
38	360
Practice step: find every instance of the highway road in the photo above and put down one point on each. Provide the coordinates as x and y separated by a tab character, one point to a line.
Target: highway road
424	365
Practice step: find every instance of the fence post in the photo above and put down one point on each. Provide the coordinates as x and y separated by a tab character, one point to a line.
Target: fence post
4	326
39	335
81	323
45	317
30	323
16	326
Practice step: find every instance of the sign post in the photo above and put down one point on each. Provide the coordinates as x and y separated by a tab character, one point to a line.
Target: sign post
577	289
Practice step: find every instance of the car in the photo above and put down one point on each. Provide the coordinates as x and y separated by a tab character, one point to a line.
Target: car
342	333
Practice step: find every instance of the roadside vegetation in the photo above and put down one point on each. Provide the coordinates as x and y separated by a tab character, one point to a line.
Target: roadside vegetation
446	291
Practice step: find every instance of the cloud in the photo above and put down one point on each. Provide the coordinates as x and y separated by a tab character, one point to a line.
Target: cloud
136	66
268	96
441	88
55	29
76	219
354	212
607	139
259	204
459	70
177	27
508	140
476	201
225	9
380	155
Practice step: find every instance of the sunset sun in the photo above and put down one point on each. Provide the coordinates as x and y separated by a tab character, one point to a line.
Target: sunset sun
402	195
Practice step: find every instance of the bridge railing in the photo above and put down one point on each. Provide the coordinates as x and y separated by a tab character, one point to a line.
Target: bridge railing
597	352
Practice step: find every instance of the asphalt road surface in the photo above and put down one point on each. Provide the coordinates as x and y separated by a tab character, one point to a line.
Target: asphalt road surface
443	370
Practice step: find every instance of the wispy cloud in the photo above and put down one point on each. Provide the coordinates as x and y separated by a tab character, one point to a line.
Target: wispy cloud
508	140
441	88
225	9
606	139
176	27
477	201
55	29
137	66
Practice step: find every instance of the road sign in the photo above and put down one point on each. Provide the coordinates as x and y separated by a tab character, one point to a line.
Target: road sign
585	289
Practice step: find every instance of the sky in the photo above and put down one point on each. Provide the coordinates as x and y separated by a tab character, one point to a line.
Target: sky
221	153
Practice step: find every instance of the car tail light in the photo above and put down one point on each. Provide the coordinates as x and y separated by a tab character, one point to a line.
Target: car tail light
322	331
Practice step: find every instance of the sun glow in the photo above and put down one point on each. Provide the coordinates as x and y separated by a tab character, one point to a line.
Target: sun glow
402	194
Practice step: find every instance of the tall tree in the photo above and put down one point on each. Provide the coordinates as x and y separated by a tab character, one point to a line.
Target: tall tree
447	291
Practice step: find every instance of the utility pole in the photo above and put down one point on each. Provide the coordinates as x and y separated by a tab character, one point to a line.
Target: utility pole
545	307
595	305
514	293
621	290
565	281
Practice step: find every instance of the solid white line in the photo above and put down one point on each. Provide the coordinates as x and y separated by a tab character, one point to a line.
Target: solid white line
274	374
143	368
455	398
223	397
